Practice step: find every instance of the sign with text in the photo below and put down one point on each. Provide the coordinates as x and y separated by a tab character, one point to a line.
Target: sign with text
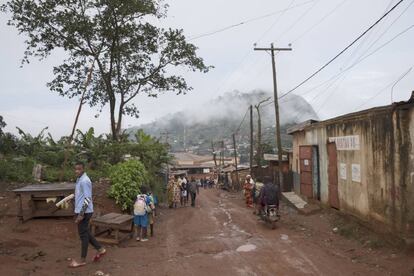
342	171
346	142
356	173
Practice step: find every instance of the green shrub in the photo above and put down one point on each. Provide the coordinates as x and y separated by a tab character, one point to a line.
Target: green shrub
102	171
18	169
52	174
126	181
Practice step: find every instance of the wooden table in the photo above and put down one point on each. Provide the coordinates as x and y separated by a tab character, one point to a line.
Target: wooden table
119	224
32	200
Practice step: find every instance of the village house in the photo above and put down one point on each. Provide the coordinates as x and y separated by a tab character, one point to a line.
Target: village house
360	163
198	166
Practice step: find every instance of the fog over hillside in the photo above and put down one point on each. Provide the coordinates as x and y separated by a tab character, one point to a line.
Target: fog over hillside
198	125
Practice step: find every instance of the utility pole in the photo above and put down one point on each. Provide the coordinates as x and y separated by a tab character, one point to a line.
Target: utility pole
167	175
272	49
222	153
184	139
235	161
214	154
251	140
259	132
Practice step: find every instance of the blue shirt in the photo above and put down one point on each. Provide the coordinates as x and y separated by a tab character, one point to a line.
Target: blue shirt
83	189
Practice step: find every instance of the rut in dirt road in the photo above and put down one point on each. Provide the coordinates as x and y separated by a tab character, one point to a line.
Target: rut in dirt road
222	237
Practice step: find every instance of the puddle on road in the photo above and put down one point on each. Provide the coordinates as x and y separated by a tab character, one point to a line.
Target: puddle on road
246	248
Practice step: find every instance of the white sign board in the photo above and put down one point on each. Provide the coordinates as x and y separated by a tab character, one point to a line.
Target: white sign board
342	171
306	162
206	170
356	173
346	142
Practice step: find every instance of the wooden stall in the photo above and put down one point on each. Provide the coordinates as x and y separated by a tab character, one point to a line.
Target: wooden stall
39	200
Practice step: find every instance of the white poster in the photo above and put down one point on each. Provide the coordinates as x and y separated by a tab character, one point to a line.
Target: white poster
356	172
346	142
342	171
306	162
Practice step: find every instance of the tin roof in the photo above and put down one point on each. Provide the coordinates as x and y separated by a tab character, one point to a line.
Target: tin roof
352	116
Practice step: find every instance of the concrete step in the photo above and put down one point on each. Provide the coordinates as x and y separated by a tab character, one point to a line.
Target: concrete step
296	202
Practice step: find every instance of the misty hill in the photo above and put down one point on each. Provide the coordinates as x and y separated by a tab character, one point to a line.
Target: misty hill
194	129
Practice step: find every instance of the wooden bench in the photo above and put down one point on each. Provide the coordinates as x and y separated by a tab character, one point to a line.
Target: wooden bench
117	227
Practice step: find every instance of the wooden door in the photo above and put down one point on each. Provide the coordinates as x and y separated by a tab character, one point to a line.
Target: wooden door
305	157
333	175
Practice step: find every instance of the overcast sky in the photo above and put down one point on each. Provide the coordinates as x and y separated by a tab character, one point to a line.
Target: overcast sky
316	34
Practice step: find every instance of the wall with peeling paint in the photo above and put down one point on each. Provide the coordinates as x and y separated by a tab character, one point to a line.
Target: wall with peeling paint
375	181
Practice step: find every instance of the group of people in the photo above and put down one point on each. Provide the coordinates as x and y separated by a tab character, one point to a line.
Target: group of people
260	194
144	213
180	189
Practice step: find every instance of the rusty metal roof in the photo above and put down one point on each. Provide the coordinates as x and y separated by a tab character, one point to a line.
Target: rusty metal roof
353	116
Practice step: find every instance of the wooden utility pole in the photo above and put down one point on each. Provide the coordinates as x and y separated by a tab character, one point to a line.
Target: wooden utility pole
69	142
222	153
259	132
251	140
167	175
235	160
272	49
214	154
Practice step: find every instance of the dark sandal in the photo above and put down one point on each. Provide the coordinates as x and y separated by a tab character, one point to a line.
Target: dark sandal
98	256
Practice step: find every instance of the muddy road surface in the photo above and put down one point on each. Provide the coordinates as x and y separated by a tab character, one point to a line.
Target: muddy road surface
219	236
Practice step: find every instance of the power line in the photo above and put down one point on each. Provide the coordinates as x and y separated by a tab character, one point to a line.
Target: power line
274	23
303	15
337	76
318	22
385	88
363	58
244	117
387	29
247	21
341	52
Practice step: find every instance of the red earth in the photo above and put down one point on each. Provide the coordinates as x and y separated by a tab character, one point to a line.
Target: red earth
220	236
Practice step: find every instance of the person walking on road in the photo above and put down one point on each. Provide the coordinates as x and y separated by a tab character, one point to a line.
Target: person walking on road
198	186
184	191
177	193
170	192
84	212
248	187
193	191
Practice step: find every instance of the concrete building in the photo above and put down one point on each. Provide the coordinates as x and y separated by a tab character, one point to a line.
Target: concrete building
362	164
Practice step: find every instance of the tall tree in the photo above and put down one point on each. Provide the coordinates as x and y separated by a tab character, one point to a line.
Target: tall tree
132	55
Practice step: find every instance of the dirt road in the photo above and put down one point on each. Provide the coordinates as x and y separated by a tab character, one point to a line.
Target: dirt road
217	237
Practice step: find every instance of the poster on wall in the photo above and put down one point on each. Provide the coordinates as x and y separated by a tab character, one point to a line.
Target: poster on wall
346	142
342	171
356	172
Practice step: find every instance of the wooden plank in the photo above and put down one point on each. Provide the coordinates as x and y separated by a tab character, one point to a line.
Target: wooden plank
122	219
106	218
46	187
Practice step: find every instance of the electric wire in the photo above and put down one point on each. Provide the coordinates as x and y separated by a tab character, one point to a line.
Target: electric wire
341	52
247	21
406	72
